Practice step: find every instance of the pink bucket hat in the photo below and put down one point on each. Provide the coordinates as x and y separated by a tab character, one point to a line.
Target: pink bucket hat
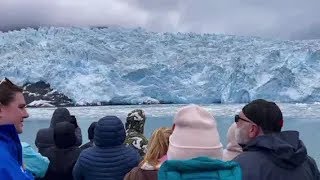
195	134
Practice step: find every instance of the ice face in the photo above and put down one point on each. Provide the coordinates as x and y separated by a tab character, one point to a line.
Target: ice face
133	66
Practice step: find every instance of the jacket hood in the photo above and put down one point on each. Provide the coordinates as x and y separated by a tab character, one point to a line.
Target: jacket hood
8	135
60	115
135	121
285	149
44	138
64	135
199	168
109	131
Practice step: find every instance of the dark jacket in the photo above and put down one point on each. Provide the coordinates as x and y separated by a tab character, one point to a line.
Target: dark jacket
86	145
65	153
141	174
44	138
11	167
278	156
109	158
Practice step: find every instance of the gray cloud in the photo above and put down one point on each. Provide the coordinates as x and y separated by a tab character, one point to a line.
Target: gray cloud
286	19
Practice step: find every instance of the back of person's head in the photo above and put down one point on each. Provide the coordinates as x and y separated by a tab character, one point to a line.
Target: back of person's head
91	130
233	148
44	138
157	146
265	114
64	135
195	134
109	131
60	115
136	120
8	91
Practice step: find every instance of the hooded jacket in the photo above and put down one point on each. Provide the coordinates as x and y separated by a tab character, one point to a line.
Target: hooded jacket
203	168
134	131
11	166
277	156
65	153
34	161
109	158
44	138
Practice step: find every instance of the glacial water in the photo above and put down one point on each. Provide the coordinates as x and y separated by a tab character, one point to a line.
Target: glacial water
302	117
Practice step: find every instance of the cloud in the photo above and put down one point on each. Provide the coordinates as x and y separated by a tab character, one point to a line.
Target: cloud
286	19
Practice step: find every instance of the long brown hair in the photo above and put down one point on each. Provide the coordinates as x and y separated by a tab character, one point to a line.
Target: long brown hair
157	146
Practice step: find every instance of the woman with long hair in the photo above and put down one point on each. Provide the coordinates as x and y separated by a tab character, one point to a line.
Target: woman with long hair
155	156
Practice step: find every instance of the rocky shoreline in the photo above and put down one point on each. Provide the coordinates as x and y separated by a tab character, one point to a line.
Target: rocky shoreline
40	94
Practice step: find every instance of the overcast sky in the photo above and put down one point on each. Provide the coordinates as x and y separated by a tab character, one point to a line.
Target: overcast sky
285	19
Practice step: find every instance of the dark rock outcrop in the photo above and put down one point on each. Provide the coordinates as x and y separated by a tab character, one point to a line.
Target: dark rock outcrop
40	94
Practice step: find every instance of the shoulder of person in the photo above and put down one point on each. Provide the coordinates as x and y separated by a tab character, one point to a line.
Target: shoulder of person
249	157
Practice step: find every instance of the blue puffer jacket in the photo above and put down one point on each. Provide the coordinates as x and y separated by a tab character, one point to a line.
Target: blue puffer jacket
109	158
199	168
11	167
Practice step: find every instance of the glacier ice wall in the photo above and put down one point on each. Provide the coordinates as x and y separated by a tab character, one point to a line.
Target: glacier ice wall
134	66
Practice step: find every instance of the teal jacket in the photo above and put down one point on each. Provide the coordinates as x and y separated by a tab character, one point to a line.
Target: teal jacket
34	161
200	168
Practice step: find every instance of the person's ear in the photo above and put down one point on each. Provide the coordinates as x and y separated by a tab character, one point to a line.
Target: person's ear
254	131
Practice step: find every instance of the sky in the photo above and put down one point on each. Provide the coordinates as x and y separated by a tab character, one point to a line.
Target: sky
280	19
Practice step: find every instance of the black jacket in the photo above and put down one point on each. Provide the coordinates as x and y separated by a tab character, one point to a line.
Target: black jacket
279	156
87	145
44	138
65	153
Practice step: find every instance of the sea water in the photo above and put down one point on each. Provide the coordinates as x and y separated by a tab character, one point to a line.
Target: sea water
304	118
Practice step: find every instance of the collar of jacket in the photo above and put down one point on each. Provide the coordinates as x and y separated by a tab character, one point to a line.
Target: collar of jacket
10	138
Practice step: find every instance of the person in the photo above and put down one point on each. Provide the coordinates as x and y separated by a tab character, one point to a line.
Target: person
12	114
34	161
134	130
90	136
109	158
270	153
233	148
44	137
64	154
155	156
195	150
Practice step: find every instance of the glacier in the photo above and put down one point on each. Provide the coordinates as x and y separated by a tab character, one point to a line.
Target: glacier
134	66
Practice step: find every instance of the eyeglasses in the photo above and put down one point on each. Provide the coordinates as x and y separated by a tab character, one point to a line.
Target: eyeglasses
6	80
237	118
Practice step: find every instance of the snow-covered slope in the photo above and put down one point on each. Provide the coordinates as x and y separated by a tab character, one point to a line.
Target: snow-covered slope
135	66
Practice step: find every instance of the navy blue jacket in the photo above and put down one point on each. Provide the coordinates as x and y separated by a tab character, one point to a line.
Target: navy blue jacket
278	156
109	158
11	155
